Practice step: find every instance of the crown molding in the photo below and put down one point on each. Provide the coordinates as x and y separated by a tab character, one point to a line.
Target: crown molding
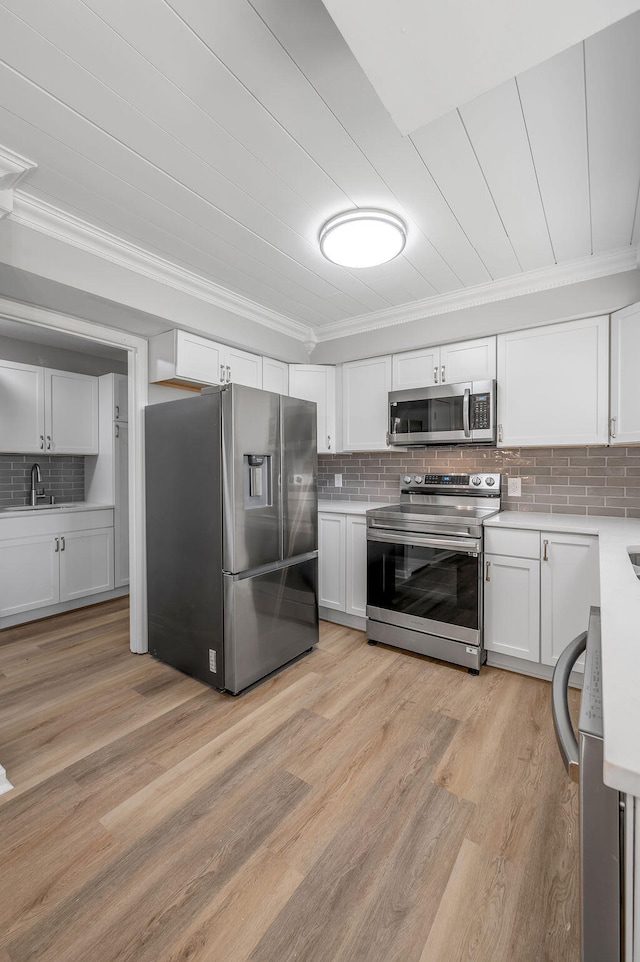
38	215
13	168
583	269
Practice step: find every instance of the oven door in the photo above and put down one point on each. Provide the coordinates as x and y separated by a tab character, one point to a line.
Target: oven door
427	583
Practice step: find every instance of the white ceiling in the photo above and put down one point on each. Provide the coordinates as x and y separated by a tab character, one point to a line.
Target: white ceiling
425	59
218	136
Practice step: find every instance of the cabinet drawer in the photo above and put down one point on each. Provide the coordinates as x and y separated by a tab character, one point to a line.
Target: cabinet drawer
514	542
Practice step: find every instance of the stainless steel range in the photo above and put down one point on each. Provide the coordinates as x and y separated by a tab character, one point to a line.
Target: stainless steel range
424	566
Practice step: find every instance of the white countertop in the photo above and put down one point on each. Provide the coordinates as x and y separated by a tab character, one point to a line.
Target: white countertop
350	507
620	619
27	511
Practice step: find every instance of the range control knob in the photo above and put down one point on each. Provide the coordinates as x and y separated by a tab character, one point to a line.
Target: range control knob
476	480
491	481
418	479
407	479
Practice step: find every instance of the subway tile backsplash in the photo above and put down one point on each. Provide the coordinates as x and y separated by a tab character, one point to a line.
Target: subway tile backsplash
580	480
62	477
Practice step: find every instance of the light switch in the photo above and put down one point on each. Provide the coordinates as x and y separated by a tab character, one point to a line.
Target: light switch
338	481
514	487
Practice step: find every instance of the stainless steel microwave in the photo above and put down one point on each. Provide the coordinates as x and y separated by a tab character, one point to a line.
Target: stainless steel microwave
444	414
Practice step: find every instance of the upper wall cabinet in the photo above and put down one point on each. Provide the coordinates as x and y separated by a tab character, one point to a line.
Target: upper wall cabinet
182	360
552	384
448	364
317	382
624	424
365	404
275	376
45	411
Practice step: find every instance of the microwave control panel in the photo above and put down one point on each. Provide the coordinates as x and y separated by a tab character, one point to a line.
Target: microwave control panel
480	412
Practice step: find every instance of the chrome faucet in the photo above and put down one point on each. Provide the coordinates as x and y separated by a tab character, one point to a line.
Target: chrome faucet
36	478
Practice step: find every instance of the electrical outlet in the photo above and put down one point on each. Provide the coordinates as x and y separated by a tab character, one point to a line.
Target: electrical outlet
514	487
338	481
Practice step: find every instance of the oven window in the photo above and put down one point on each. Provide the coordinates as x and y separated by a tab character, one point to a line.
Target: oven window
427	416
433	583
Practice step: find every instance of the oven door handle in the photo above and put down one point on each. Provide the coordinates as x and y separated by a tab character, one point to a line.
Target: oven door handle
565	735
463	545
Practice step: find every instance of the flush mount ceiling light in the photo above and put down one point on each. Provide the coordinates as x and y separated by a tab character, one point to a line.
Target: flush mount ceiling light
362	238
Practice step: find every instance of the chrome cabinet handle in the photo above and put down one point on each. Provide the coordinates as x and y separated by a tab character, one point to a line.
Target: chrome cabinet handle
117	411
499	432
612	427
486	571
442	377
329	441
57	547
48	442
117	431
222	373
62	542
228	374
435	374
545	556
42	442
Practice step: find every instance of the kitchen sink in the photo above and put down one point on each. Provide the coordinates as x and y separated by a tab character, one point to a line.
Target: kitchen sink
34	507
634	558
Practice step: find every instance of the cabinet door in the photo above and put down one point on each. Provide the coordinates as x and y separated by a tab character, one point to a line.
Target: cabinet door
512	606
28	574
317	382
365	404
21	408
468	361
552	384
416	369
243	368
356	568
86	562
331	551
275	376
120	397
71	413
121	514
569	583
197	359
625	398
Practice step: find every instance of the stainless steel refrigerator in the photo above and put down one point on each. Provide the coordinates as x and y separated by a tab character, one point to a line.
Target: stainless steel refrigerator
232	533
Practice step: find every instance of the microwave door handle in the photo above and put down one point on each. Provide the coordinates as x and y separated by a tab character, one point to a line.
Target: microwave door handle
466	411
565	735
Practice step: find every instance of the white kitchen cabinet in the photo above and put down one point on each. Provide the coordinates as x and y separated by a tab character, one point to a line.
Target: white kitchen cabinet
448	364
332	554
317	382
181	359
46	411
107	475
51	558
120	409
342	549
552	384
624	424
356	565
275	376
569	585
365	404
512	606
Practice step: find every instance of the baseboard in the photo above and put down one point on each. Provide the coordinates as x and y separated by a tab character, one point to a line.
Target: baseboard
532	668
5	784
342	618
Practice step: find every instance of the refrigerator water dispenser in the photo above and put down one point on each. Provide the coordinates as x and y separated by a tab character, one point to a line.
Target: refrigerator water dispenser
257	481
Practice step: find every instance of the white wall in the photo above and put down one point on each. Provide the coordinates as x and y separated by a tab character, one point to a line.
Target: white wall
42	355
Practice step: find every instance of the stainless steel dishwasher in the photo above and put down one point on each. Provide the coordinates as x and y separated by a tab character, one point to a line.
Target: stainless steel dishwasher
601	807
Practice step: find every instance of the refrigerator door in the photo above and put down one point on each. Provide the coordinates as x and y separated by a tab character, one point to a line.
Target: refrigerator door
184	536
251	478
270	617
299	476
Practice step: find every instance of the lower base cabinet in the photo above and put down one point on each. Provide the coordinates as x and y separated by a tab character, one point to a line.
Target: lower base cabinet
342	544
48	564
538	589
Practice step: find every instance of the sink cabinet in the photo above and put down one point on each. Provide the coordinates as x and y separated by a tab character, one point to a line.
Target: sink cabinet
52	558
47	411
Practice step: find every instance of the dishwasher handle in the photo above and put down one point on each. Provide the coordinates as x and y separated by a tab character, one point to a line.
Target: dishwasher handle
565	735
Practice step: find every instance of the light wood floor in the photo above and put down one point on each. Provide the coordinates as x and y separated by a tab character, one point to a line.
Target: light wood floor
363	805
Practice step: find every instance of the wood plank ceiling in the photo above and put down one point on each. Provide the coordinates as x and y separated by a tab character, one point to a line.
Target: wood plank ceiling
221	134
